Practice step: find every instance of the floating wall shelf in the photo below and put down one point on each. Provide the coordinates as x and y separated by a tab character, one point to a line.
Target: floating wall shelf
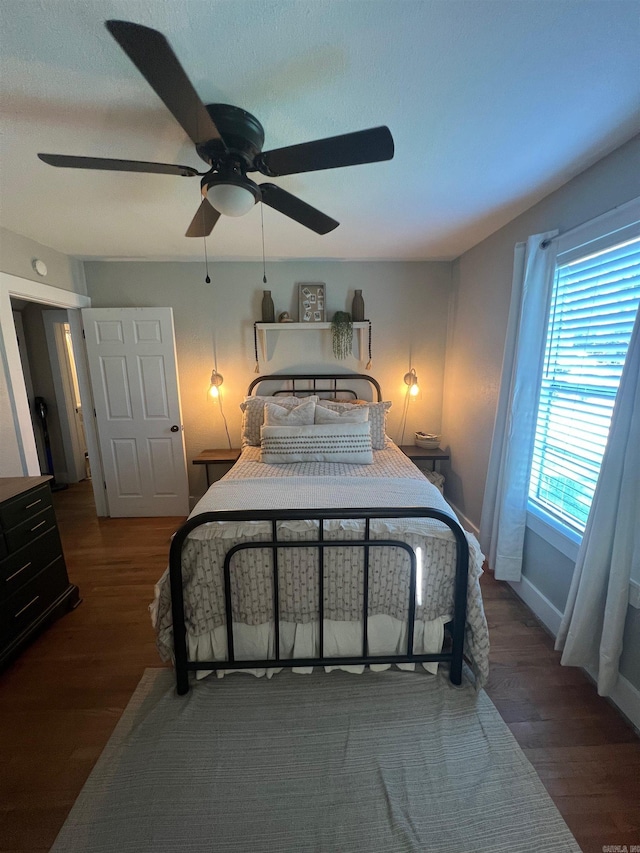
263	329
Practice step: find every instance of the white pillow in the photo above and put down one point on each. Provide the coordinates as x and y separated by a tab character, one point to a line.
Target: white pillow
317	443
253	415
302	415
352	415
377	418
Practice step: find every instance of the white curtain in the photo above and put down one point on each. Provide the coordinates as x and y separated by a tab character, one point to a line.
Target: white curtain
594	618
504	509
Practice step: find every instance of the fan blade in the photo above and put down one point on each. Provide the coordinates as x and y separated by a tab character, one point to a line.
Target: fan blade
294	208
204	220
154	58
116	165
351	149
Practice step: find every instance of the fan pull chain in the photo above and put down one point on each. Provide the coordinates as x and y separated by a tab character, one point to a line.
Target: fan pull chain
264	271
368	367
206	261
204	240
255	347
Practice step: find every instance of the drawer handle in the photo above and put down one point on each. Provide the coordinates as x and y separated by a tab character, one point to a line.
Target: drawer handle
38	525
15	574
35	503
33	601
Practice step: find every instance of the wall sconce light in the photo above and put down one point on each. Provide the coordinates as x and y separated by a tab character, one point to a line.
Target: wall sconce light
216	381
411	380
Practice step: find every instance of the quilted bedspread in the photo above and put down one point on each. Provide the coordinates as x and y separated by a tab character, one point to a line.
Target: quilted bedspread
392	481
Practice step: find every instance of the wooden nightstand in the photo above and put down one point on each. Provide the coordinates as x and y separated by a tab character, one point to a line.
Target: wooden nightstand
423	454
224	459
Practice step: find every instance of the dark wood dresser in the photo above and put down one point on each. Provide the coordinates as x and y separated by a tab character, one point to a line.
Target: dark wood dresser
34	586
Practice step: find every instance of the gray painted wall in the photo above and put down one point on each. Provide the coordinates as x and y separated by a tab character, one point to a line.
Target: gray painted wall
547	569
17	253
406	302
480	306
479	309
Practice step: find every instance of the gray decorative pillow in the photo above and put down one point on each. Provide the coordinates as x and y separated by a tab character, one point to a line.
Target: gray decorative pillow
277	415
377	417
253	415
317	443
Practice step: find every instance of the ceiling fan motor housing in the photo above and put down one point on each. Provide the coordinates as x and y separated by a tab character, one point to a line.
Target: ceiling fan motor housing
242	133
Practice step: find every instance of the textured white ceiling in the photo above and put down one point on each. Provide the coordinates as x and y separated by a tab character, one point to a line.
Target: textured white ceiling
492	104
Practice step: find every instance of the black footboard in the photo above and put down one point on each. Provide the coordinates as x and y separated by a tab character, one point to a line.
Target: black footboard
456	627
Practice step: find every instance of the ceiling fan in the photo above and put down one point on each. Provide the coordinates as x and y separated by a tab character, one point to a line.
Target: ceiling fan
230	141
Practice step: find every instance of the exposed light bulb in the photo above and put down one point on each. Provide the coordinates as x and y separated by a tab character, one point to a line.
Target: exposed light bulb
411	380
216	382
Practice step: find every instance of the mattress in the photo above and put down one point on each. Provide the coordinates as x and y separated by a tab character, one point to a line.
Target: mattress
393	481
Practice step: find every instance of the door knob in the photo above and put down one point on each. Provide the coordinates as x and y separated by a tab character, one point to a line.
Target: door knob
175	428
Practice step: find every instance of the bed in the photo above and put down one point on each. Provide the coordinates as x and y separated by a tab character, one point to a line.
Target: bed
357	564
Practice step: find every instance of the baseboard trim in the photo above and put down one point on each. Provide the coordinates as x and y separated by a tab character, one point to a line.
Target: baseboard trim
464	521
546	612
625	696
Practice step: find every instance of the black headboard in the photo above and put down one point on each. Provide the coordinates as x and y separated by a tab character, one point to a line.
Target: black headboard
305	384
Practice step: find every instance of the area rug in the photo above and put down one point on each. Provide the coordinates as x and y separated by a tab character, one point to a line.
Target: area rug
379	763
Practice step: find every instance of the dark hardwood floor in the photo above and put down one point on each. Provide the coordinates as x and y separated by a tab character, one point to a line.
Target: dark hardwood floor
60	701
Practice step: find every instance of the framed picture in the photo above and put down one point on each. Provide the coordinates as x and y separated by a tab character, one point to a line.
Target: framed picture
311	305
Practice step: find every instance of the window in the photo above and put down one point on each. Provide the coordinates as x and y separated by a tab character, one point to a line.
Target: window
593	307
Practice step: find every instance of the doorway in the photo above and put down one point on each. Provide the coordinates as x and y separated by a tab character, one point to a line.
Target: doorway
143	470
53	393
23	452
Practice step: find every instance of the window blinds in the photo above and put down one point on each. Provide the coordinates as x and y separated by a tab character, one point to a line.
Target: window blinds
593	308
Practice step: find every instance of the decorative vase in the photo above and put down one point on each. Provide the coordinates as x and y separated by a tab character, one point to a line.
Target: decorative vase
268	310
357	307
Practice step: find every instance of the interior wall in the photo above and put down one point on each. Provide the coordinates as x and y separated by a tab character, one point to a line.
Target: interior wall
480	306
26	370
406	302
18	252
10	461
481	280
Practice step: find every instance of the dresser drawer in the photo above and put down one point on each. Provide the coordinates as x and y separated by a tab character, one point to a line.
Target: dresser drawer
29	529
21	566
19	509
3	547
31	600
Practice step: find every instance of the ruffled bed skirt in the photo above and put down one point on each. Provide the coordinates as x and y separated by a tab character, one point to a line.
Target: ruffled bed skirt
387	635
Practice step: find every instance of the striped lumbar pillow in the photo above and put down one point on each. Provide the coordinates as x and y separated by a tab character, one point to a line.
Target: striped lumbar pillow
318	443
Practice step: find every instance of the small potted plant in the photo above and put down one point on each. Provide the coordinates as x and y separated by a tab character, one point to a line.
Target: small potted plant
342	333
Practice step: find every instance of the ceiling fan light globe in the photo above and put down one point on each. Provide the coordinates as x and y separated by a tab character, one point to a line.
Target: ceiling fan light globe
230	199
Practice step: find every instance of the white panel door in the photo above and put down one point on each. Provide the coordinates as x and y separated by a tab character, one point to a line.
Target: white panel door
134	375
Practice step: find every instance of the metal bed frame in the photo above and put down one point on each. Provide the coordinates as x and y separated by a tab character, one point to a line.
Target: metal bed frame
315	380
456	627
